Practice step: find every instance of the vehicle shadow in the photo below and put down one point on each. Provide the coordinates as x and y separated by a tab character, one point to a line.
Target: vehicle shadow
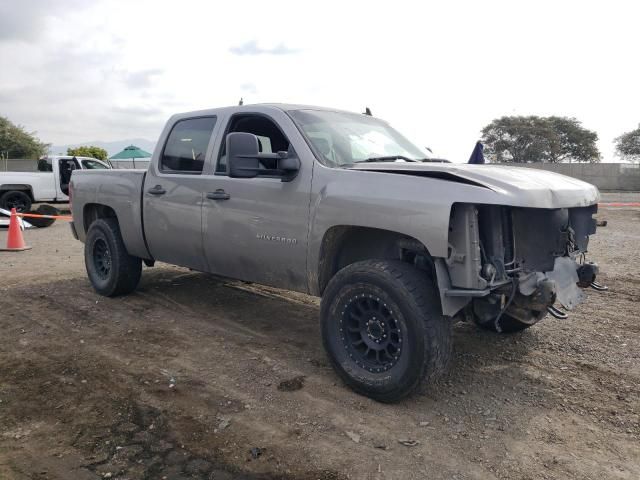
264	316
493	384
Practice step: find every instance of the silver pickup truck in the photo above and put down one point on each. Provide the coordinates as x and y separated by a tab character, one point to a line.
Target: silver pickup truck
341	206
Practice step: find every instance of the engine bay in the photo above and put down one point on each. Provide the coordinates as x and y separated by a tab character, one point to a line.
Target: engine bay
520	260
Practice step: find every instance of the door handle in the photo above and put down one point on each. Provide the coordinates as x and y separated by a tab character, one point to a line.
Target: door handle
219	194
157	190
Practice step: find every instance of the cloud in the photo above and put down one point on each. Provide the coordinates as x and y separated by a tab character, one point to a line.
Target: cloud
249	88
142	78
70	91
17	23
251	48
78	69
26	20
124	121
138	111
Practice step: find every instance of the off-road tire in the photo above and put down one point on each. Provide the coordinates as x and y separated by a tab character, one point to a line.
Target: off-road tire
410	301
43	222
39	222
111	270
15	198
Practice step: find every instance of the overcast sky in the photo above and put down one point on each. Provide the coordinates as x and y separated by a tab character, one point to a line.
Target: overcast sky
77	70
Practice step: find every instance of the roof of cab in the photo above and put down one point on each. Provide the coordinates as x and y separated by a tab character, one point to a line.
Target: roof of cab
68	157
286	107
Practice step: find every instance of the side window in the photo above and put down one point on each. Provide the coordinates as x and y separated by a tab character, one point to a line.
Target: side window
45	165
186	146
93	165
270	138
68	164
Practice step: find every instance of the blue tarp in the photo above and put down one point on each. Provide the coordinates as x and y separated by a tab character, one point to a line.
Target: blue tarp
477	156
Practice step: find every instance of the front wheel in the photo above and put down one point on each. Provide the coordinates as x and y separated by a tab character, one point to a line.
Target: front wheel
383	328
111	270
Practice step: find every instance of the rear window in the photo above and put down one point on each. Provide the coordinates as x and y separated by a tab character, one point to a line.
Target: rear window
187	144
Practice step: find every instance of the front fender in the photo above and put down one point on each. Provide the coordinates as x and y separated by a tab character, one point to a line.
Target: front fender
415	207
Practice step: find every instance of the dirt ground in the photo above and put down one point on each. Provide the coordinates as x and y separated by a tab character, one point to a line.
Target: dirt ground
197	377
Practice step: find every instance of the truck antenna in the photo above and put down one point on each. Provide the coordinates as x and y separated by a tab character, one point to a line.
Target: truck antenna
240	102
367	111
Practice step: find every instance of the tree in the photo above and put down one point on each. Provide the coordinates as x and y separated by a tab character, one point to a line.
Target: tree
532	139
628	145
16	142
88	151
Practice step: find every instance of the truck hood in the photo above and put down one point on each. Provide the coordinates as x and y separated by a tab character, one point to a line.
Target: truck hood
539	186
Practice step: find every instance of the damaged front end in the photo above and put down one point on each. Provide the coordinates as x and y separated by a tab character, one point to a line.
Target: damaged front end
516	262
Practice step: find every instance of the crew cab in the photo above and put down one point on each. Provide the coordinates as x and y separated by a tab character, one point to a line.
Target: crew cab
50	183
342	206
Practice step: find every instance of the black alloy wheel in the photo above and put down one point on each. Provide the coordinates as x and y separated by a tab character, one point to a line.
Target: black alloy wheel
102	258
370	333
383	328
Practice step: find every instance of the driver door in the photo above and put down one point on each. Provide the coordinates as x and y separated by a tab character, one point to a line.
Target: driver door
255	229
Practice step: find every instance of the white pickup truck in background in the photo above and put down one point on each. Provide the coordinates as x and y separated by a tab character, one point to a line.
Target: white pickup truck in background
49	184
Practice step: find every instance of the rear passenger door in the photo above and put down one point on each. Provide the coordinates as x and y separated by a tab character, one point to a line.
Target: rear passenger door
172	194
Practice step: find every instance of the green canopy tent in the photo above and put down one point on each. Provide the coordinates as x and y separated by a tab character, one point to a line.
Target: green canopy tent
130	153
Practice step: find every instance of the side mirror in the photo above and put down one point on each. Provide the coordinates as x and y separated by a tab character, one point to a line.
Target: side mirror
242	155
287	163
246	161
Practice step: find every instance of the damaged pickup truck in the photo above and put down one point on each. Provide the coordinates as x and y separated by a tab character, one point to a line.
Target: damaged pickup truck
341	206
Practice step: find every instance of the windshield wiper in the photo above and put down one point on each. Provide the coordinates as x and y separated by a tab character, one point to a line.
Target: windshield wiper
389	158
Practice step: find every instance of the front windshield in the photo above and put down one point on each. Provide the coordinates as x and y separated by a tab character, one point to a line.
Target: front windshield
342	139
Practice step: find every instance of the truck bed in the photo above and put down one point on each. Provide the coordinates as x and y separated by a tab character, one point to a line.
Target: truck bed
42	184
121	190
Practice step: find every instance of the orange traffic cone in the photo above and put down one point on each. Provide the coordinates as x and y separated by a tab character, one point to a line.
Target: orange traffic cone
15	241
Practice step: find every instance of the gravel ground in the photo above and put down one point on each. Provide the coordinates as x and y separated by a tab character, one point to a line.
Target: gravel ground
620	197
197	377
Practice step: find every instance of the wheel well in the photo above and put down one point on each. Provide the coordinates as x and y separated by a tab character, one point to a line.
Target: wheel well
344	245
94	211
8	187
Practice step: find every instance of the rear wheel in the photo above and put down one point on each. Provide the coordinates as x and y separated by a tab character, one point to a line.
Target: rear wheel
383	328
111	270
16	199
